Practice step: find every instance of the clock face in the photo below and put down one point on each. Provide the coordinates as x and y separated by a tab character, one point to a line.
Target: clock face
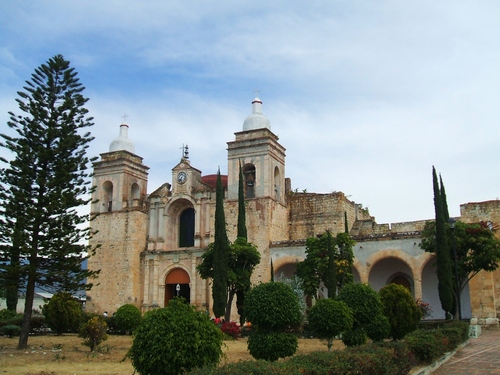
181	177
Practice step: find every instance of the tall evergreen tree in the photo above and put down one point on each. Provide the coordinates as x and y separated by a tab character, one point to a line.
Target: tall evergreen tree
220	253
442	193
346	224
444	269
242	226
43	186
331	281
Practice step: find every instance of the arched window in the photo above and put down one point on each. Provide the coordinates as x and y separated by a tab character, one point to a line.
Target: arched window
249	175
277	183
107	196
186	228
135	194
135	191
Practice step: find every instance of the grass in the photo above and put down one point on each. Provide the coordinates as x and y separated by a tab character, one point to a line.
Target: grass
65	355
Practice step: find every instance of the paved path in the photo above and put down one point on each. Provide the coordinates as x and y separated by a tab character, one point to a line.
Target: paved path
479	356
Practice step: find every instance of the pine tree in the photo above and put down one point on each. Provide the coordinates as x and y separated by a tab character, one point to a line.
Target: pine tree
444	270
220	253
43	186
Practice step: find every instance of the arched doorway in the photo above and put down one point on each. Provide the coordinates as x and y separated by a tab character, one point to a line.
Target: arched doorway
390	270
186	228
177	285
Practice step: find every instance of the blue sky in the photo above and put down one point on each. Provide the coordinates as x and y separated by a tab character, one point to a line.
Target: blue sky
365	96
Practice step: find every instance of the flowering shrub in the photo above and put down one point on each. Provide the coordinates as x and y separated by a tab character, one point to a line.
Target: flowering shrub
230	329
424	307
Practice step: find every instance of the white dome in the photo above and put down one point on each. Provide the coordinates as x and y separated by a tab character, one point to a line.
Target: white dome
122	142
256	120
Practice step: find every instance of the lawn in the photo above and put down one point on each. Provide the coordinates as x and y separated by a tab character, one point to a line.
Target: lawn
65	355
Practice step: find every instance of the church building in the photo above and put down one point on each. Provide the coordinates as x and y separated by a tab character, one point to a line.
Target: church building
150	244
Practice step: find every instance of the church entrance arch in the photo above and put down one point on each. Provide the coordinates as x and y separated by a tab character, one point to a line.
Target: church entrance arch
177	285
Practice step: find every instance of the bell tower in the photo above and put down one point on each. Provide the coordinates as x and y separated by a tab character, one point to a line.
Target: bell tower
261	156
120	221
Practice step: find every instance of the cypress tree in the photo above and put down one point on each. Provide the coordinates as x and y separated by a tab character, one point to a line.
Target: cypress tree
346	224
442	193
332	272
444	270
42	187
242	226
220	253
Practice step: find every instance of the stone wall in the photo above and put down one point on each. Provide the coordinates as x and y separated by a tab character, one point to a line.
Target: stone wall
122	237
485	286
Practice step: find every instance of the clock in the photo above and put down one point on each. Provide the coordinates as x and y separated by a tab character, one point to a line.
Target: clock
181	177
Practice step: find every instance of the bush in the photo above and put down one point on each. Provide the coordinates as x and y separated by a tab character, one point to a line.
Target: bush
63	313
272	308
127	318
230	329
354	337
329	318
424	345
363	301
378	329
174	339
392	358
10	330
271	346
366	307
93	332
401	310
7	314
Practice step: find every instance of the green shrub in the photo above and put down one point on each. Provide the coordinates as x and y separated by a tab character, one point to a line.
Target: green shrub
38	325
401	355
329	318
366	307
17	320
271	346
463	327
7	314
378	329
259	367
10	330
127	318
363	301
272	308
93	332
354	337
63	313
389	358
401	310
424	345
174	339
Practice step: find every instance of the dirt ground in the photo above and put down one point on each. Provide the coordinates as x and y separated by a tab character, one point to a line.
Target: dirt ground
65	355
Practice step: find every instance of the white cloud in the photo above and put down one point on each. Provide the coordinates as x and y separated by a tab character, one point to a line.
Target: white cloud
366	96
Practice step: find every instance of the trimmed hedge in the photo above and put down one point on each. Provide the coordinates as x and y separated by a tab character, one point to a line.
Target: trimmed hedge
430	344
376	359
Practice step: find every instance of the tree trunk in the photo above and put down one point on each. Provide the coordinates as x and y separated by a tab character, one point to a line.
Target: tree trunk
28	310
227	316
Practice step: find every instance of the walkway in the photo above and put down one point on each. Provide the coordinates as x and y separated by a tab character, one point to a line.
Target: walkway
479	356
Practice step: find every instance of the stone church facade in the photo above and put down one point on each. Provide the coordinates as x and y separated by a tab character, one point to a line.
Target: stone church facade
150	244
